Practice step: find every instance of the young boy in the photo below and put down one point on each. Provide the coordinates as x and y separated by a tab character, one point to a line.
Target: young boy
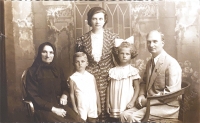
83	89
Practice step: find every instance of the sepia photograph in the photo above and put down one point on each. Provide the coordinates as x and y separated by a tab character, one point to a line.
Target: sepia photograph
100	61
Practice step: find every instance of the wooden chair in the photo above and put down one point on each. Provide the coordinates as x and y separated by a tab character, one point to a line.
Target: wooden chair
27	103
184	87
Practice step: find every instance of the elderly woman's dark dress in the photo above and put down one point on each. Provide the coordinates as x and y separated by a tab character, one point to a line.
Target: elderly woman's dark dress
45	84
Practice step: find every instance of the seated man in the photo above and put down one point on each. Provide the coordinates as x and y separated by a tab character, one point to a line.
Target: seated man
162	75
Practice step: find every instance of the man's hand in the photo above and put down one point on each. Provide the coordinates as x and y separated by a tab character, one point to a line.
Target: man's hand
141	101
130	105
63	99
144	102
59	111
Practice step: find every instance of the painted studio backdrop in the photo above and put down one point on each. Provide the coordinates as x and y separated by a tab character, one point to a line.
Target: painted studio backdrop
28	24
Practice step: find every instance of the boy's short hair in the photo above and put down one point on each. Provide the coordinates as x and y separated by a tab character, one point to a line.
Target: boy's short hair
79	54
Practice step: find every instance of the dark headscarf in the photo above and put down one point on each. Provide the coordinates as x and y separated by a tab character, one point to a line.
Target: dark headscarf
38	63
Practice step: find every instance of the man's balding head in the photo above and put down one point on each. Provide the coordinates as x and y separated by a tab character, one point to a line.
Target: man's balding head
155	42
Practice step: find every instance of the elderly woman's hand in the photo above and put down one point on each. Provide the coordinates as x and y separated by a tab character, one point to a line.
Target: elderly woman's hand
59	111
63	99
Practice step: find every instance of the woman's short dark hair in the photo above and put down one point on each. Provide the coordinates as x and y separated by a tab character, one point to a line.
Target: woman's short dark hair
95	10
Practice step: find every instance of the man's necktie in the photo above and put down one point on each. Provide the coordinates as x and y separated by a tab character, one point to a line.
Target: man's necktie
153	64
151	68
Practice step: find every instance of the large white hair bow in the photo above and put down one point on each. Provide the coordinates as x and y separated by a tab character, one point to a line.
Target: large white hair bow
119	41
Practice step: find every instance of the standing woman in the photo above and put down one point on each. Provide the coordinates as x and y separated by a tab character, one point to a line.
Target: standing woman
47	87
98	44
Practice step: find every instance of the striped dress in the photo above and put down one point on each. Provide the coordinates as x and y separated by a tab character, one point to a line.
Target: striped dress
99	70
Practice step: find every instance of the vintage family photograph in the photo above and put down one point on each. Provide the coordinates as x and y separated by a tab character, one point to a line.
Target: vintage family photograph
100	61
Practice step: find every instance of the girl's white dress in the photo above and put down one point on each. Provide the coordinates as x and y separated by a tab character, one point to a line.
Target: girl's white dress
84	87
121	88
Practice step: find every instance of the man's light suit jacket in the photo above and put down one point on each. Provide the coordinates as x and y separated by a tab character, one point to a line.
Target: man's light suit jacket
165	78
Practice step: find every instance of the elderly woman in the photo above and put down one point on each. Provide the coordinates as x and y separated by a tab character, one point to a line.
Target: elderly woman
47	88
98	44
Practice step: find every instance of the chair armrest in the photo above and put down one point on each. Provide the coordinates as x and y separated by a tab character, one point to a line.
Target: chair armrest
164	99
167	97
30	105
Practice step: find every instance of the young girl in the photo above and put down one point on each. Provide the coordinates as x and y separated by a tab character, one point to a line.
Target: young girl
123	88
83	89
